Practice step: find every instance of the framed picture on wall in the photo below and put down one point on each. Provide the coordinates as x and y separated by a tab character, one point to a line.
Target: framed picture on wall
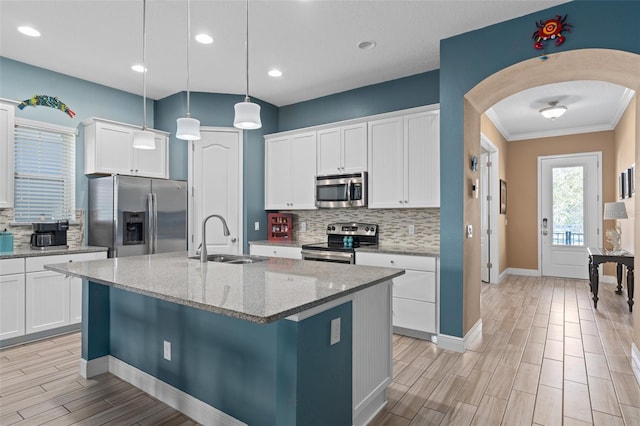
622	185
503	197
631	181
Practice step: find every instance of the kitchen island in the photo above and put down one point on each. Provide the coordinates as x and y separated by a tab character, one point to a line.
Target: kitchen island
276	342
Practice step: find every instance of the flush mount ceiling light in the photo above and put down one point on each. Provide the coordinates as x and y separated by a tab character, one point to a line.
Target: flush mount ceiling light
188	128
367	45
247	114
275	73
204	38
553	111
138	68
29	31
144	139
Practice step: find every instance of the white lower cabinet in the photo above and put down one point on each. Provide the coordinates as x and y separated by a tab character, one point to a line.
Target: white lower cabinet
415	294
275	251
33	299
11	304
47	296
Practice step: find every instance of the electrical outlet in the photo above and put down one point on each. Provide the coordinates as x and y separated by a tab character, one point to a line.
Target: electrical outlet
303	226
167	350
256	226
412	229
335	331
469	231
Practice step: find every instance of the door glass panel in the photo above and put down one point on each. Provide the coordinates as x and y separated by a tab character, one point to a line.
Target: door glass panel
568	206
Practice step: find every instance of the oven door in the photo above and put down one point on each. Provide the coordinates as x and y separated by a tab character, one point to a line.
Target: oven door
329	256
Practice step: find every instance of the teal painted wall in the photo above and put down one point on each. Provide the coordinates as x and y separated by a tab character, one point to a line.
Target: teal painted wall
217	110
20	81
408	92
465	61
283	373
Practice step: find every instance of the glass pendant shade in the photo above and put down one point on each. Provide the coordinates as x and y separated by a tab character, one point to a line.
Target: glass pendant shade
144	139
188	129
247	115
553	111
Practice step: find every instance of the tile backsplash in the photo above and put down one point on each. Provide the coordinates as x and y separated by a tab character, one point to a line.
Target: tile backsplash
22	233
393	225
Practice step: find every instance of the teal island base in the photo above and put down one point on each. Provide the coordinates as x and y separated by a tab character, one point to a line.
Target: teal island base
225	370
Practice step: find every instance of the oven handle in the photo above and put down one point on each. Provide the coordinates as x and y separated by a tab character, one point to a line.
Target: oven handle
327	255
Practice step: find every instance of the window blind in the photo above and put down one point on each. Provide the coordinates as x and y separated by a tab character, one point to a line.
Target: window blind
44	173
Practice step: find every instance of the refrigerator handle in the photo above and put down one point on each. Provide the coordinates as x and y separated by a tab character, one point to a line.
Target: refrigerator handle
150	224
155	222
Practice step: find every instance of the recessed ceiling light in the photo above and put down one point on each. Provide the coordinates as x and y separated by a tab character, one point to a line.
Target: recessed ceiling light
275	73
138	68
367	45
204	38
31	32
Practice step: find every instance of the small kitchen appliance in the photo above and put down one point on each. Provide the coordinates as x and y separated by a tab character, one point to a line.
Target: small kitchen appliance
342	240
341	191
49	234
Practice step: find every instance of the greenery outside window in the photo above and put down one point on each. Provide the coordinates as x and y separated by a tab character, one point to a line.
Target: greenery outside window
44	185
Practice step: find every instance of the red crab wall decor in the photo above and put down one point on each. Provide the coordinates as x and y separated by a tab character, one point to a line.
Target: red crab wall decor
549	30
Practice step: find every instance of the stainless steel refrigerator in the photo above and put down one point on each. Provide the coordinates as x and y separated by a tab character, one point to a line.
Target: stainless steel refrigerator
133	215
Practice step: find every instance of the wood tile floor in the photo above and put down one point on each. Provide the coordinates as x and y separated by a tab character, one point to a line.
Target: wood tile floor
545	357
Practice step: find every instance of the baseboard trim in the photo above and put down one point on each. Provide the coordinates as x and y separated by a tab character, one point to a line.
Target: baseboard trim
635	361
523	272
502	276
199	411
460	344
94	367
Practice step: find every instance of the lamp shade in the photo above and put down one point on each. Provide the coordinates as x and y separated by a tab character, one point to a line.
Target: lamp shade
144	139
247	115
188	129
616	210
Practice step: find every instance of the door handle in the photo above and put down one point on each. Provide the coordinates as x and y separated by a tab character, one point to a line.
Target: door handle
545	224
234	239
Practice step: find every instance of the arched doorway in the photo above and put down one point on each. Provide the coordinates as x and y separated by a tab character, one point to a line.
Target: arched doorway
586	64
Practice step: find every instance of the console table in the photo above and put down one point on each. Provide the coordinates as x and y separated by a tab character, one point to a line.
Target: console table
622	257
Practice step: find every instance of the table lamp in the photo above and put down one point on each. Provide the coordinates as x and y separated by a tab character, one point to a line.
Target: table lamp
612	211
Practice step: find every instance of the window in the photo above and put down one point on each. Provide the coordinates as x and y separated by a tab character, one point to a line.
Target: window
44	171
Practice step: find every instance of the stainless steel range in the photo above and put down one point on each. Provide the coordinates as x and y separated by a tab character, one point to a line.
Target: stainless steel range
342	240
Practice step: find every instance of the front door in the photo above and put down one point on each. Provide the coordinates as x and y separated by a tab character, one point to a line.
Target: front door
216	188
570	206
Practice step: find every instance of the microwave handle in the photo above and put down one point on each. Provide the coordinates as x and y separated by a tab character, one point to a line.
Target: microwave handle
349	191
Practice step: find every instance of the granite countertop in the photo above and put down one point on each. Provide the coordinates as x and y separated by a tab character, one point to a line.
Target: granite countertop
28	252
260	292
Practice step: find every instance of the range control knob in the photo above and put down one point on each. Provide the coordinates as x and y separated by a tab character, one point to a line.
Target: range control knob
366	229
328	228
333	228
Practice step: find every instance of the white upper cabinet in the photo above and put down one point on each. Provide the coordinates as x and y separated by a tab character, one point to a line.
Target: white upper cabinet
109	150
404	161
342	149
386	163
7	123
290	170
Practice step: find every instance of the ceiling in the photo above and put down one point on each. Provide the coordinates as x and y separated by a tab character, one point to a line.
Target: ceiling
592	106
313	42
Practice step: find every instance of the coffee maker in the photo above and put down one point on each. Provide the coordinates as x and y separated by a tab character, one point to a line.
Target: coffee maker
49	234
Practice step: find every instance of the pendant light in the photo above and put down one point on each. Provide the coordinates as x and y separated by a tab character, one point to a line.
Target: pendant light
144	139
188	128
247	113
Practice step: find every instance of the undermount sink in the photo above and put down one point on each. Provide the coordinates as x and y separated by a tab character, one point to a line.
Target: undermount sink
232	258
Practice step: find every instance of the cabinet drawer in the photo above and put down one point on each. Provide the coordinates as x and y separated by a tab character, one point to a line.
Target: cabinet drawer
37	263
276	251
12	266
414	315
417	285
418	263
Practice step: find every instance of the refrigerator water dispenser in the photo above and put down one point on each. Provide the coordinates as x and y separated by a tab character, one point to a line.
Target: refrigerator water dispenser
133	228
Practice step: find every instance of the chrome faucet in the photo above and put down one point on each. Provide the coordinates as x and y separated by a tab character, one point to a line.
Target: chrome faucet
225	231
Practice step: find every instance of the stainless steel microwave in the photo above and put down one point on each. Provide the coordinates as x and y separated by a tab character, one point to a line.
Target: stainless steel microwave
341	191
